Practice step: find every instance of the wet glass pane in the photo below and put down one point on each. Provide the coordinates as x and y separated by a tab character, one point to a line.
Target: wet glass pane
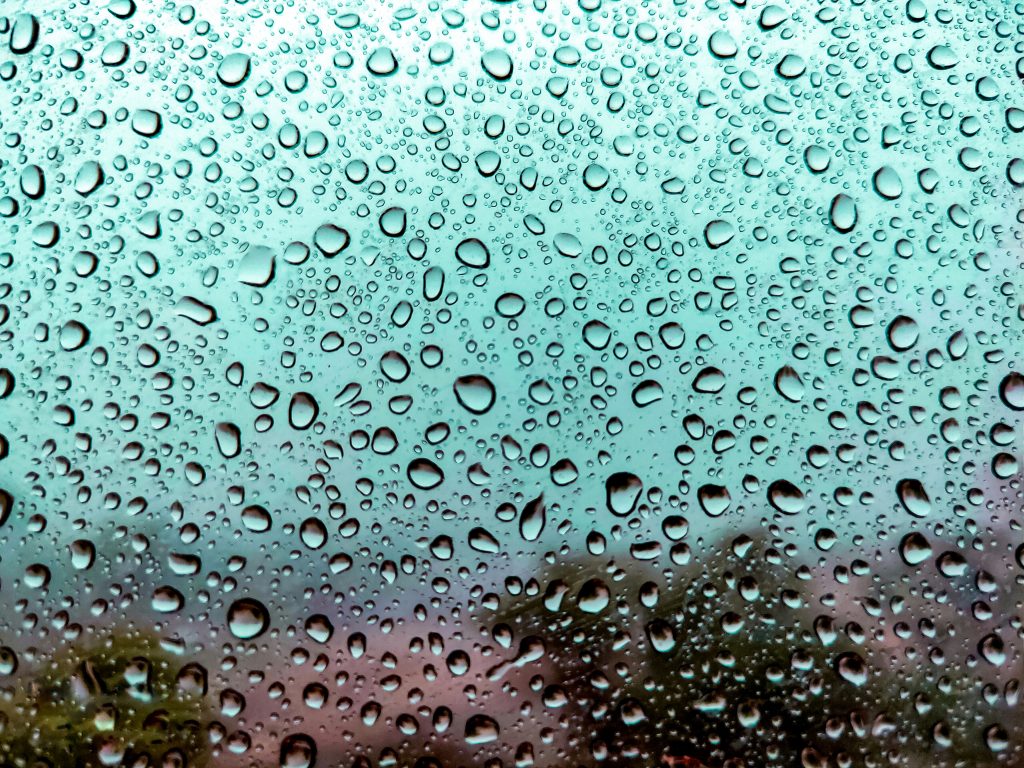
530	384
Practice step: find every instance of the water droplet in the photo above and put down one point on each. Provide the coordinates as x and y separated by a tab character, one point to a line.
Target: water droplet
234	69
714	499
248	618
302	410
915	549
497	63
533	519
942	57
382	62
888	183
473	253
475	393
902	333
717	233
481	729
1011	390
843	213
298	751
786	497
425	474
622	491
913	497
722	44
789	384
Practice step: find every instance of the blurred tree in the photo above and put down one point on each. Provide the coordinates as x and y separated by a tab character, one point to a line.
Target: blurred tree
738	657
124	701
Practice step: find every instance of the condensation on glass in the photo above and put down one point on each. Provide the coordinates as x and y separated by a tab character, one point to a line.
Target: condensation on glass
511	384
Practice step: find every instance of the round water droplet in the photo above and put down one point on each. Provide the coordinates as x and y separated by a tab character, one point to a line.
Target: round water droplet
302	410
313	533
661	635
458	663
888	183
1011	390
510	305
595	176
229	439
942	57
24	33
257	266
73	335
992	649
382	62
88	178
424	474
83	554
714	499
475	393
817	158
647	392
234	69
717	233
146	122
393	221
248	618
852	668
257	518
902	333
473	253
594	596
331	240
722	44
786	497
497	63
394	365
789	384
997	739
319	628
298	751
568	245
167	600
596	334
711	380
1005	465
915	549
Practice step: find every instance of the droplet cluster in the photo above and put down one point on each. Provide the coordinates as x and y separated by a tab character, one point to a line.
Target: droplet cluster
511	384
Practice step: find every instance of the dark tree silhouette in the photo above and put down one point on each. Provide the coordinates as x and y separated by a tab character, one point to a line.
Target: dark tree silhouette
742	657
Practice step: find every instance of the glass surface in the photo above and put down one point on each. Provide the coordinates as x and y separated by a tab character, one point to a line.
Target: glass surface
511	384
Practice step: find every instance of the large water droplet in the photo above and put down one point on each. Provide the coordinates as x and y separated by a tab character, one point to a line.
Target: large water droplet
234	69
297	751
622	491
913	497
248	618
473	253
475	393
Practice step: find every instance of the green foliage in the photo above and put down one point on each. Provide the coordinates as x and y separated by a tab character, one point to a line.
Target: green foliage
117	701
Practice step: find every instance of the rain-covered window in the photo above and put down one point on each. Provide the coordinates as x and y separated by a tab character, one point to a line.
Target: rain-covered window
511	384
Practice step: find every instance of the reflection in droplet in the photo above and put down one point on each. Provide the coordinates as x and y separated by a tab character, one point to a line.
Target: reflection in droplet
248	618
622	491
475	393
